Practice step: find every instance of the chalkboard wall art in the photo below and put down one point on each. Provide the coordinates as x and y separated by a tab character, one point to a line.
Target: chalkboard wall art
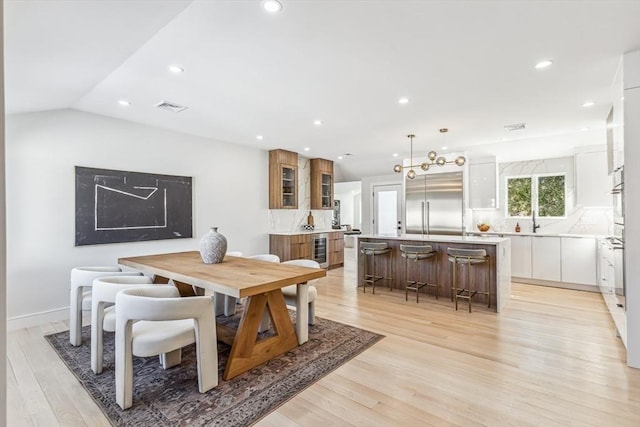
117	206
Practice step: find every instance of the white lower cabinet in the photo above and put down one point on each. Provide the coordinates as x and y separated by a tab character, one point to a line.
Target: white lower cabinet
579	260
521	256
546	263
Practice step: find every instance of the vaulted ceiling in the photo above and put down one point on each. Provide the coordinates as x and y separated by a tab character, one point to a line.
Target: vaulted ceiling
465	65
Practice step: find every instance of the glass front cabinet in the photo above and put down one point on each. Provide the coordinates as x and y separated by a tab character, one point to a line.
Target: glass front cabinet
321	184
283	179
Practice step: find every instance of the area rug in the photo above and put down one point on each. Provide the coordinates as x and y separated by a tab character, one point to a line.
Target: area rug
171	397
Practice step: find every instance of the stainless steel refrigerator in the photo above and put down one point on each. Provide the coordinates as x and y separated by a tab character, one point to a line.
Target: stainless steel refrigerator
434	204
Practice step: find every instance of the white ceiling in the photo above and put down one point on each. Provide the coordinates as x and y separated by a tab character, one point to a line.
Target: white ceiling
465	65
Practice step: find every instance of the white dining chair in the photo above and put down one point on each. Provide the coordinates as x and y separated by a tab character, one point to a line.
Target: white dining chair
164	323
80	294
290	292
265	257
103	311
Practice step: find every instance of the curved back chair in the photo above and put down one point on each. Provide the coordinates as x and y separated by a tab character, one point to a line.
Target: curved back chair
164	323
80	294
265	257
375	250
469	258
105	290
419	253
290	292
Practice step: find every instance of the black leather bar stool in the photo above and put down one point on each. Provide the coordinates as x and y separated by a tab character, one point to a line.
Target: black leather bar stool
417	253
375	250
468	258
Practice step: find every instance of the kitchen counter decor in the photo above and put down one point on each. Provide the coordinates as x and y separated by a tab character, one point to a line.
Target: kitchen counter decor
213	247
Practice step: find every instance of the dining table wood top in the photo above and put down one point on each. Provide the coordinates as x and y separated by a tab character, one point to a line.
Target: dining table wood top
235	276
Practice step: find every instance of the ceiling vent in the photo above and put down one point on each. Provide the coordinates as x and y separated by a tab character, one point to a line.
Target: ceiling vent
169	106
517	126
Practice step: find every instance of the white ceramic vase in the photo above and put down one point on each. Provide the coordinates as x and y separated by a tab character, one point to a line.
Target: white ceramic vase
213	247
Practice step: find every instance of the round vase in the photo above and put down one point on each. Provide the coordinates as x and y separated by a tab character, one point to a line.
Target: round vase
213	247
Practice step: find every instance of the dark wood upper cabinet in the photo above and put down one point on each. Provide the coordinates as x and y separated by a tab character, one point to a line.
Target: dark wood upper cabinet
283	179
321	184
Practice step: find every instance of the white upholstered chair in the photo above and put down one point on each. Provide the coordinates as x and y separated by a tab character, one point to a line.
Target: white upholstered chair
265	257
103	318
164	323
80	295
290	291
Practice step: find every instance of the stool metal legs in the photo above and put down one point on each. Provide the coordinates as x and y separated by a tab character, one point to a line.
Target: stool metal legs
470	290
415	285
373	278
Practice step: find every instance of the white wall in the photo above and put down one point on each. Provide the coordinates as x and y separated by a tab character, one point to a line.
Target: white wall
367	197
3	258
42	150
579	219
631	77
350	196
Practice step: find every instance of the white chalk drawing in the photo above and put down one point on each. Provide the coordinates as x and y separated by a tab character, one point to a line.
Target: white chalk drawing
97	214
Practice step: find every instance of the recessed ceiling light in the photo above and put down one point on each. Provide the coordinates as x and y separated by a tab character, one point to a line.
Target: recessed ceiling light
403	100
317	122
124	103
340	157
395	154
176	69
307	148
544	64
272	6
259	137
444	148
589	104
584	129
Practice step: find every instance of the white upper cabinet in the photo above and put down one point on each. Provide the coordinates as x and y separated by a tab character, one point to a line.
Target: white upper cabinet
593	184
483	184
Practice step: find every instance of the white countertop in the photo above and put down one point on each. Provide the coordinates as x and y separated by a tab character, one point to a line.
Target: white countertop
538	234
484	239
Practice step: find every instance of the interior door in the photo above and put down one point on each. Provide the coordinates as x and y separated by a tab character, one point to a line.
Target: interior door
387	209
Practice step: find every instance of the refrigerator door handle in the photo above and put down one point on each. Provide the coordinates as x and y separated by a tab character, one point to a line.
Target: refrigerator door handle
428	219
422	212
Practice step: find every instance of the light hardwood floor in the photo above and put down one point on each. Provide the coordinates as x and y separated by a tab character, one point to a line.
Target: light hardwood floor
550	359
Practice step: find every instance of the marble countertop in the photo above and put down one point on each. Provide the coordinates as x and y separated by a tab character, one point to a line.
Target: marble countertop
484	239
538	234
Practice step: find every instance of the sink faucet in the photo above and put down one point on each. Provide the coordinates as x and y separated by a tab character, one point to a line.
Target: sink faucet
535	226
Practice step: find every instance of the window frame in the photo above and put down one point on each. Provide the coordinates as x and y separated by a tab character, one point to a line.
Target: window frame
534	194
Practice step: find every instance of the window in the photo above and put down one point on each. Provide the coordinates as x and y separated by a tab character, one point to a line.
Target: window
542	194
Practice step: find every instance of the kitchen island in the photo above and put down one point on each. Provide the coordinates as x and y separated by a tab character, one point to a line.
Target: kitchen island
498	249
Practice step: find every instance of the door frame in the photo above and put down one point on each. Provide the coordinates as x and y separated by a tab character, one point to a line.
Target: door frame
386	187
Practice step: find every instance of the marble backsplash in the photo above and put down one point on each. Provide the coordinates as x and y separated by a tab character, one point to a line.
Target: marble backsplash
291	220
579	219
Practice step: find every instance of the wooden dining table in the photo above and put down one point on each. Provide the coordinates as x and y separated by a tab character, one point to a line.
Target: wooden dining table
260	282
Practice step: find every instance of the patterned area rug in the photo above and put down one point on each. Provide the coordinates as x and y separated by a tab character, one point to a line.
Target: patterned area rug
171	397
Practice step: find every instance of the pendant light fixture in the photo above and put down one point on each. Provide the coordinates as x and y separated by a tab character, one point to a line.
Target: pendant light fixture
432	159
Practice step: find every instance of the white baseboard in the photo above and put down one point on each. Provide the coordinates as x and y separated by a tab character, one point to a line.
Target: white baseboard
37	319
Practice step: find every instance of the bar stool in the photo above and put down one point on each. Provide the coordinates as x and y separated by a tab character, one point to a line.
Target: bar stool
470	258
416	253
374	250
